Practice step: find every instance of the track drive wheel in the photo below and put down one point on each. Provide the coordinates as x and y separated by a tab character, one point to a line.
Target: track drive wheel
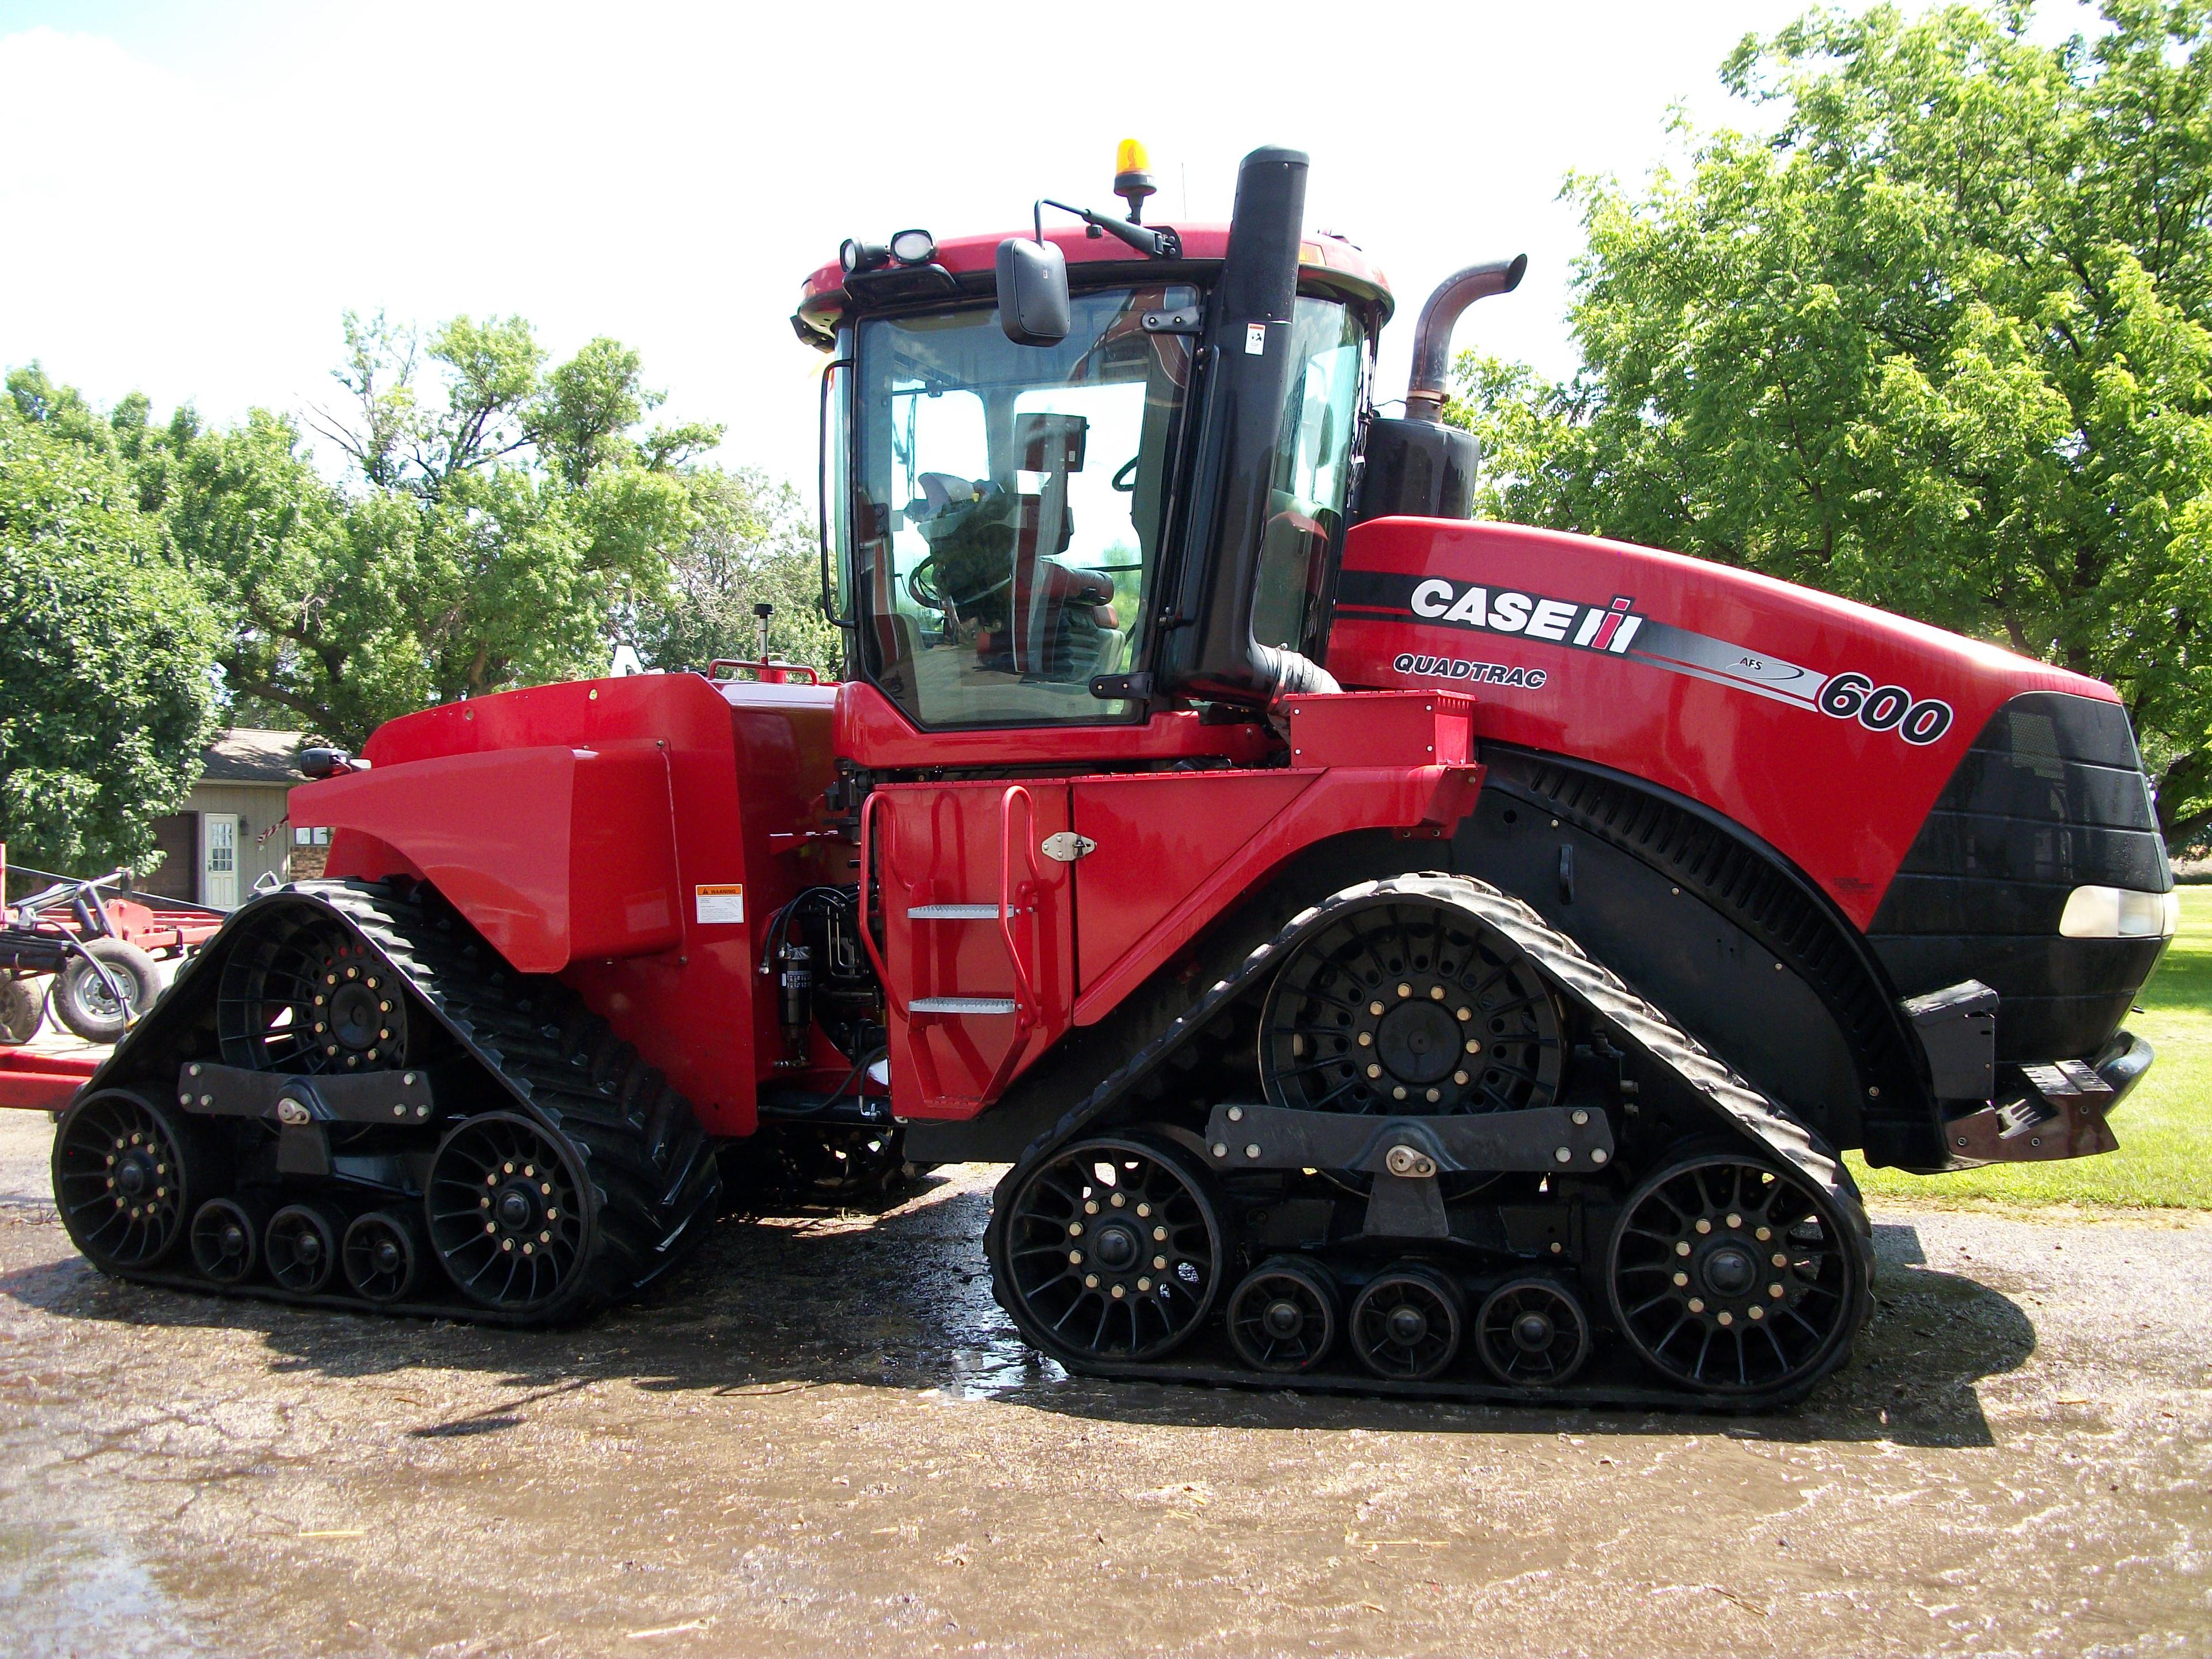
1283	1316
1111	1249
1410	1007
123	1179
510	1217
1730	1275
1531	1333
309	995
1407	1323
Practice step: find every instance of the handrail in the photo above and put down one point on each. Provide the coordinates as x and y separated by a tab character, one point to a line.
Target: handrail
763	667
1025	1002
867	933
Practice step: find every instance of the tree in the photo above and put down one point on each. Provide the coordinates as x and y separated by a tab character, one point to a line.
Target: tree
106	652
1942	343
753	545
492	527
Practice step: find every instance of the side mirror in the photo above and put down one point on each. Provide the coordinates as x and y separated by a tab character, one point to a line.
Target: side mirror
1033	307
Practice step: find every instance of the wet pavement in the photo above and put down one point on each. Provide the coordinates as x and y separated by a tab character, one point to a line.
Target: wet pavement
821	1437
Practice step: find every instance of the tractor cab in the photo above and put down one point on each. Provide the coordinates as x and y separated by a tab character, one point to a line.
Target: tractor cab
1128	500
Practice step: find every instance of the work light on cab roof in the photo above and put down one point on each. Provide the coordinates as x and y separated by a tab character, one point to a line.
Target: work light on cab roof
1209	818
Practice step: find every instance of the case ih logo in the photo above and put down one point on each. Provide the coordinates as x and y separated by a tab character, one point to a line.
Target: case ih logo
1502	611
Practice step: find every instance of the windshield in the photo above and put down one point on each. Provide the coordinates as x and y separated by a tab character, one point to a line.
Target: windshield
1010	501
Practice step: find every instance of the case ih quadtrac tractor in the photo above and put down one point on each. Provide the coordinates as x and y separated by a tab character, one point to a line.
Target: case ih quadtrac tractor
1393	951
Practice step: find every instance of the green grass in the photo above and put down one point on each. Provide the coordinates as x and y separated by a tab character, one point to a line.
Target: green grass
2165	1126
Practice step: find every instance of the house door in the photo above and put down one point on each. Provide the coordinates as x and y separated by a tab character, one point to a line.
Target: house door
219	860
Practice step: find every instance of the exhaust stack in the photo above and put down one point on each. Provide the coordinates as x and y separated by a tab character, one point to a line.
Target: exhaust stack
1416	467
1424	391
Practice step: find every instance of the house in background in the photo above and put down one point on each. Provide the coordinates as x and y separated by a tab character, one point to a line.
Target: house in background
234	827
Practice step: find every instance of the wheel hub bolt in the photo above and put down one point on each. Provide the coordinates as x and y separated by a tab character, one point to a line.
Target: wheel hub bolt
1730	1271
514	1209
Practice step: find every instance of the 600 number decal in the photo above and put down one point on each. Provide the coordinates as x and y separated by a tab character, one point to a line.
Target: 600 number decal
1885	709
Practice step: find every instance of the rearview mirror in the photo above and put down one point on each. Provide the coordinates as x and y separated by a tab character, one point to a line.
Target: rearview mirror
1033	305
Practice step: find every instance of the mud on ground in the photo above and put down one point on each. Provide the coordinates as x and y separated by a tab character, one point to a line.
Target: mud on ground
823	1438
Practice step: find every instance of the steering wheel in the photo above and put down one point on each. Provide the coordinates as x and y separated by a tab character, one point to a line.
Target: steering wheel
921	587
1126	479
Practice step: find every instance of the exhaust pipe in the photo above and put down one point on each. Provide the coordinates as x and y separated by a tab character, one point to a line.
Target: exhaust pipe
1424	392
1416	466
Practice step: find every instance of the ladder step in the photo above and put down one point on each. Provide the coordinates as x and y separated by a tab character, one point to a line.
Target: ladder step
953	913
962	1005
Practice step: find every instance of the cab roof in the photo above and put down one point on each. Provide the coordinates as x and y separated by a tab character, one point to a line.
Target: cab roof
1327	263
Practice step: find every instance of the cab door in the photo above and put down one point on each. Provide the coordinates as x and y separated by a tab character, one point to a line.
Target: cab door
978	936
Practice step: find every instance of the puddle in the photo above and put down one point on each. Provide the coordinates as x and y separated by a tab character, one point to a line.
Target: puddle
72	1589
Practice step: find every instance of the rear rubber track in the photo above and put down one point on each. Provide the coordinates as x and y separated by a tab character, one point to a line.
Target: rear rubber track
541	1052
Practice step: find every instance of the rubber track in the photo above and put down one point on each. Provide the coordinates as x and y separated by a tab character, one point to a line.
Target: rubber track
1627	1018
651	1165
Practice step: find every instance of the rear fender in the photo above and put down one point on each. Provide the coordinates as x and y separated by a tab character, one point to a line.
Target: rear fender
553	852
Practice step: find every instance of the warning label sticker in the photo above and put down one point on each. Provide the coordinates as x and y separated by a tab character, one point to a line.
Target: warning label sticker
724	903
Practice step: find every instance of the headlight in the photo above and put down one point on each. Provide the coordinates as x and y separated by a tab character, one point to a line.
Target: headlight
2119	913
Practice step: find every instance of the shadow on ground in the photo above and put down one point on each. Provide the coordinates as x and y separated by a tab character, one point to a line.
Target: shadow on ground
776	1304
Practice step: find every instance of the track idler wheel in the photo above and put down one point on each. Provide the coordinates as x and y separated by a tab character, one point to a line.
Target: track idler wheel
302	1247
1409	1007
1405	1324
226	1239
1531	1333
1731	1276
1283	1317
1111	1249
123	1179
381	1256
508	1213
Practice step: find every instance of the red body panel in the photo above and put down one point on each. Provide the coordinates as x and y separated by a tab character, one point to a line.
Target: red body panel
940	846
42	1083
531	850
1704	679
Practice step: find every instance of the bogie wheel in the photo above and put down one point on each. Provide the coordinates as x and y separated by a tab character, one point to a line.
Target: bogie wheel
1111	1249
308	995
227	1240
83	1000
302	1247
1409	1007
510	1214
380	1256
1531	1333
1731	1276
1406	1323
123	1178
1283	1317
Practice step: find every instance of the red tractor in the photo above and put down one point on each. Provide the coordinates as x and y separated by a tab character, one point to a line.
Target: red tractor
1393	951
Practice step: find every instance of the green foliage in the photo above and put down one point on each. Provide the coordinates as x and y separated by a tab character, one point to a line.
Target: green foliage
1942	343
106	652
753	545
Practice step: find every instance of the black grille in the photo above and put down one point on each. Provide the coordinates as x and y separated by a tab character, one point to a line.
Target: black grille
2050	797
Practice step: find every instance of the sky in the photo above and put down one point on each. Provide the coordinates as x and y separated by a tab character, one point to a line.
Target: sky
191	195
